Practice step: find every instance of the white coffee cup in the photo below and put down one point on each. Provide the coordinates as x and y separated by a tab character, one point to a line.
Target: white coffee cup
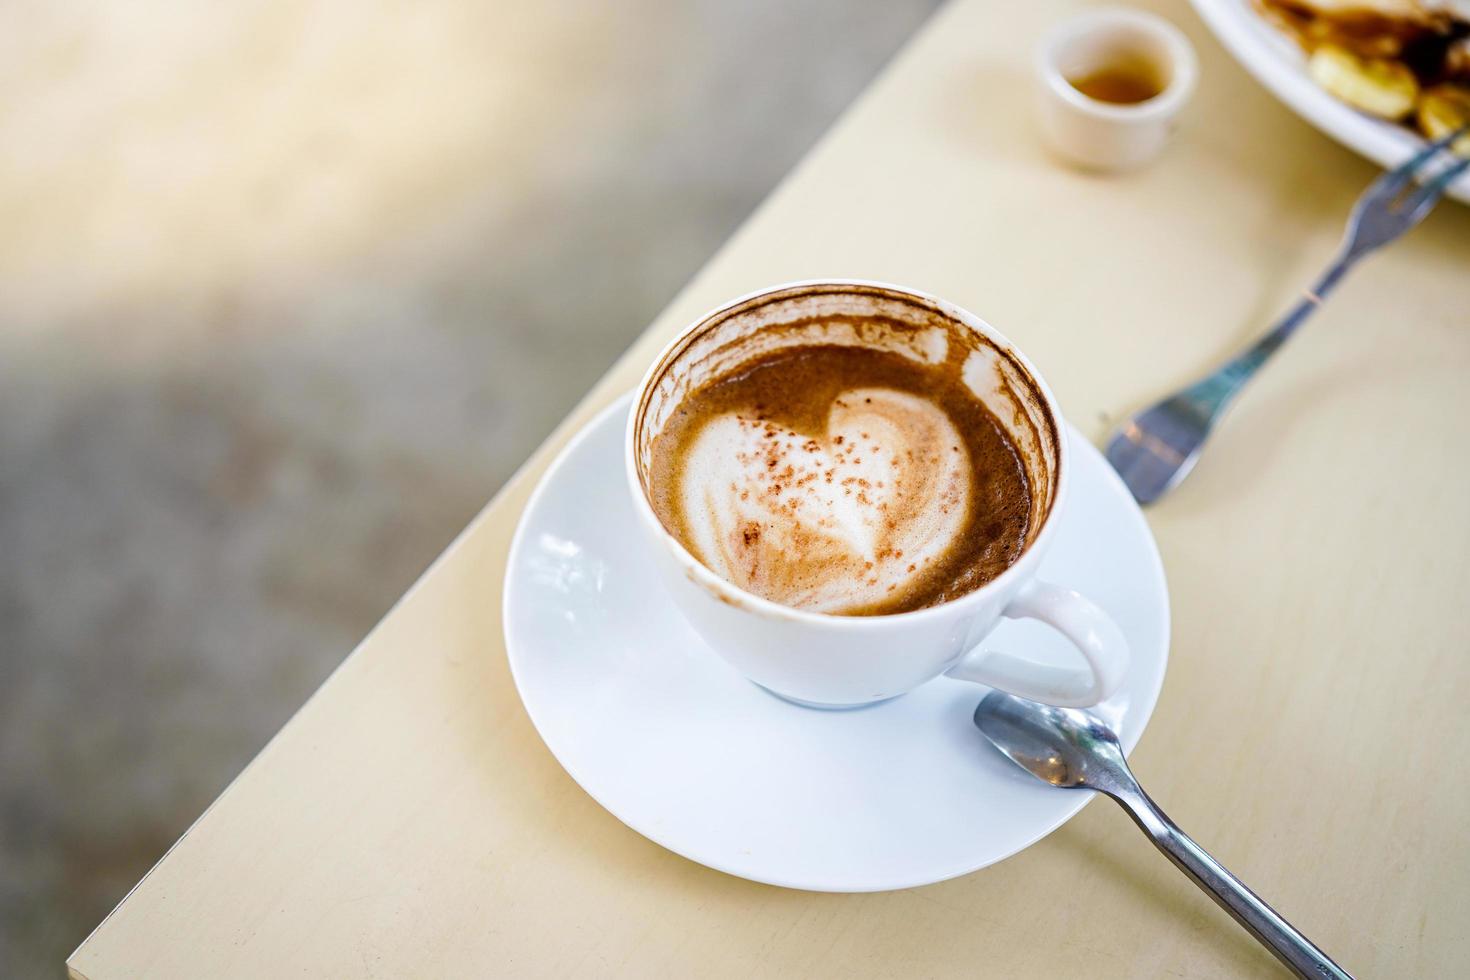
1100	135
839	661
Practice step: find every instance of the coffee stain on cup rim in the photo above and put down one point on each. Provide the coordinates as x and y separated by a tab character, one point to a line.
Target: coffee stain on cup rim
720	590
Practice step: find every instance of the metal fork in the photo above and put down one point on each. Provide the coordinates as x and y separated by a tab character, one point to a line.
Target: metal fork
1155	449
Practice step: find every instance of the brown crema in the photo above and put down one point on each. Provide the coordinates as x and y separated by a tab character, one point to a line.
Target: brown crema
786	410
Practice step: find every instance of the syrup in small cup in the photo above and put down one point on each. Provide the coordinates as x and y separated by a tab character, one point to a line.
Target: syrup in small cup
1112	83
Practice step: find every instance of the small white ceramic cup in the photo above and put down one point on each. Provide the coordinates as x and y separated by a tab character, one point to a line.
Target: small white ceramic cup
1099	135
839	661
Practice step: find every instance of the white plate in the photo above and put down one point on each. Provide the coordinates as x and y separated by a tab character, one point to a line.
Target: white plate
677	745
1278	63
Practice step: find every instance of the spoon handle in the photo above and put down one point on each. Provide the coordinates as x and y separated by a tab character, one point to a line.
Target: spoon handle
1245	906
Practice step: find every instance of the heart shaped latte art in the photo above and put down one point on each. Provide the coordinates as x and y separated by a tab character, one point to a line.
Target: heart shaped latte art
836	523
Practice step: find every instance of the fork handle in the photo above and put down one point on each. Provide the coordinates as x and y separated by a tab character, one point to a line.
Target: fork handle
1294	950
1262	349
1211	394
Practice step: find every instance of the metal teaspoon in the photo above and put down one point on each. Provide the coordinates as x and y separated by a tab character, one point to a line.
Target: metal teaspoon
1072	749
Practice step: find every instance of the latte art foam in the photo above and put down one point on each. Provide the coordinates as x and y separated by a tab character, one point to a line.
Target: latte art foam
842	480
832	522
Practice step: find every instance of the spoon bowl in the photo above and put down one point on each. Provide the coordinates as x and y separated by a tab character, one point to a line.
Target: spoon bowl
1065	747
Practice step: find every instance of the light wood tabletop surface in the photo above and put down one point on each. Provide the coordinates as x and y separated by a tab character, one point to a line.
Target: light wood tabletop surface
409	822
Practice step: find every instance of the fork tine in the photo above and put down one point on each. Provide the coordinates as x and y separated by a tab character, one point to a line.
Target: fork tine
1425	196
1396	179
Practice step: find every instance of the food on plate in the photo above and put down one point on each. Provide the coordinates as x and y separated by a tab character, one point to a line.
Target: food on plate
1444	109
1379	86
1402	60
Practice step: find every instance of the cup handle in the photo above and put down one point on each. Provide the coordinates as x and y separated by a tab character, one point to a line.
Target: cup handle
1077	618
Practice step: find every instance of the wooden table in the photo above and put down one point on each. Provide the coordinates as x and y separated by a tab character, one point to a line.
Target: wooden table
408	820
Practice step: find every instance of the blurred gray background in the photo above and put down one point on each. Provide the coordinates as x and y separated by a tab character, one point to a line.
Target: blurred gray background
287	290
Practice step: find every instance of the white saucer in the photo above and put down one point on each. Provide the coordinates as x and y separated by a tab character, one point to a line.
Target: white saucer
680	747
